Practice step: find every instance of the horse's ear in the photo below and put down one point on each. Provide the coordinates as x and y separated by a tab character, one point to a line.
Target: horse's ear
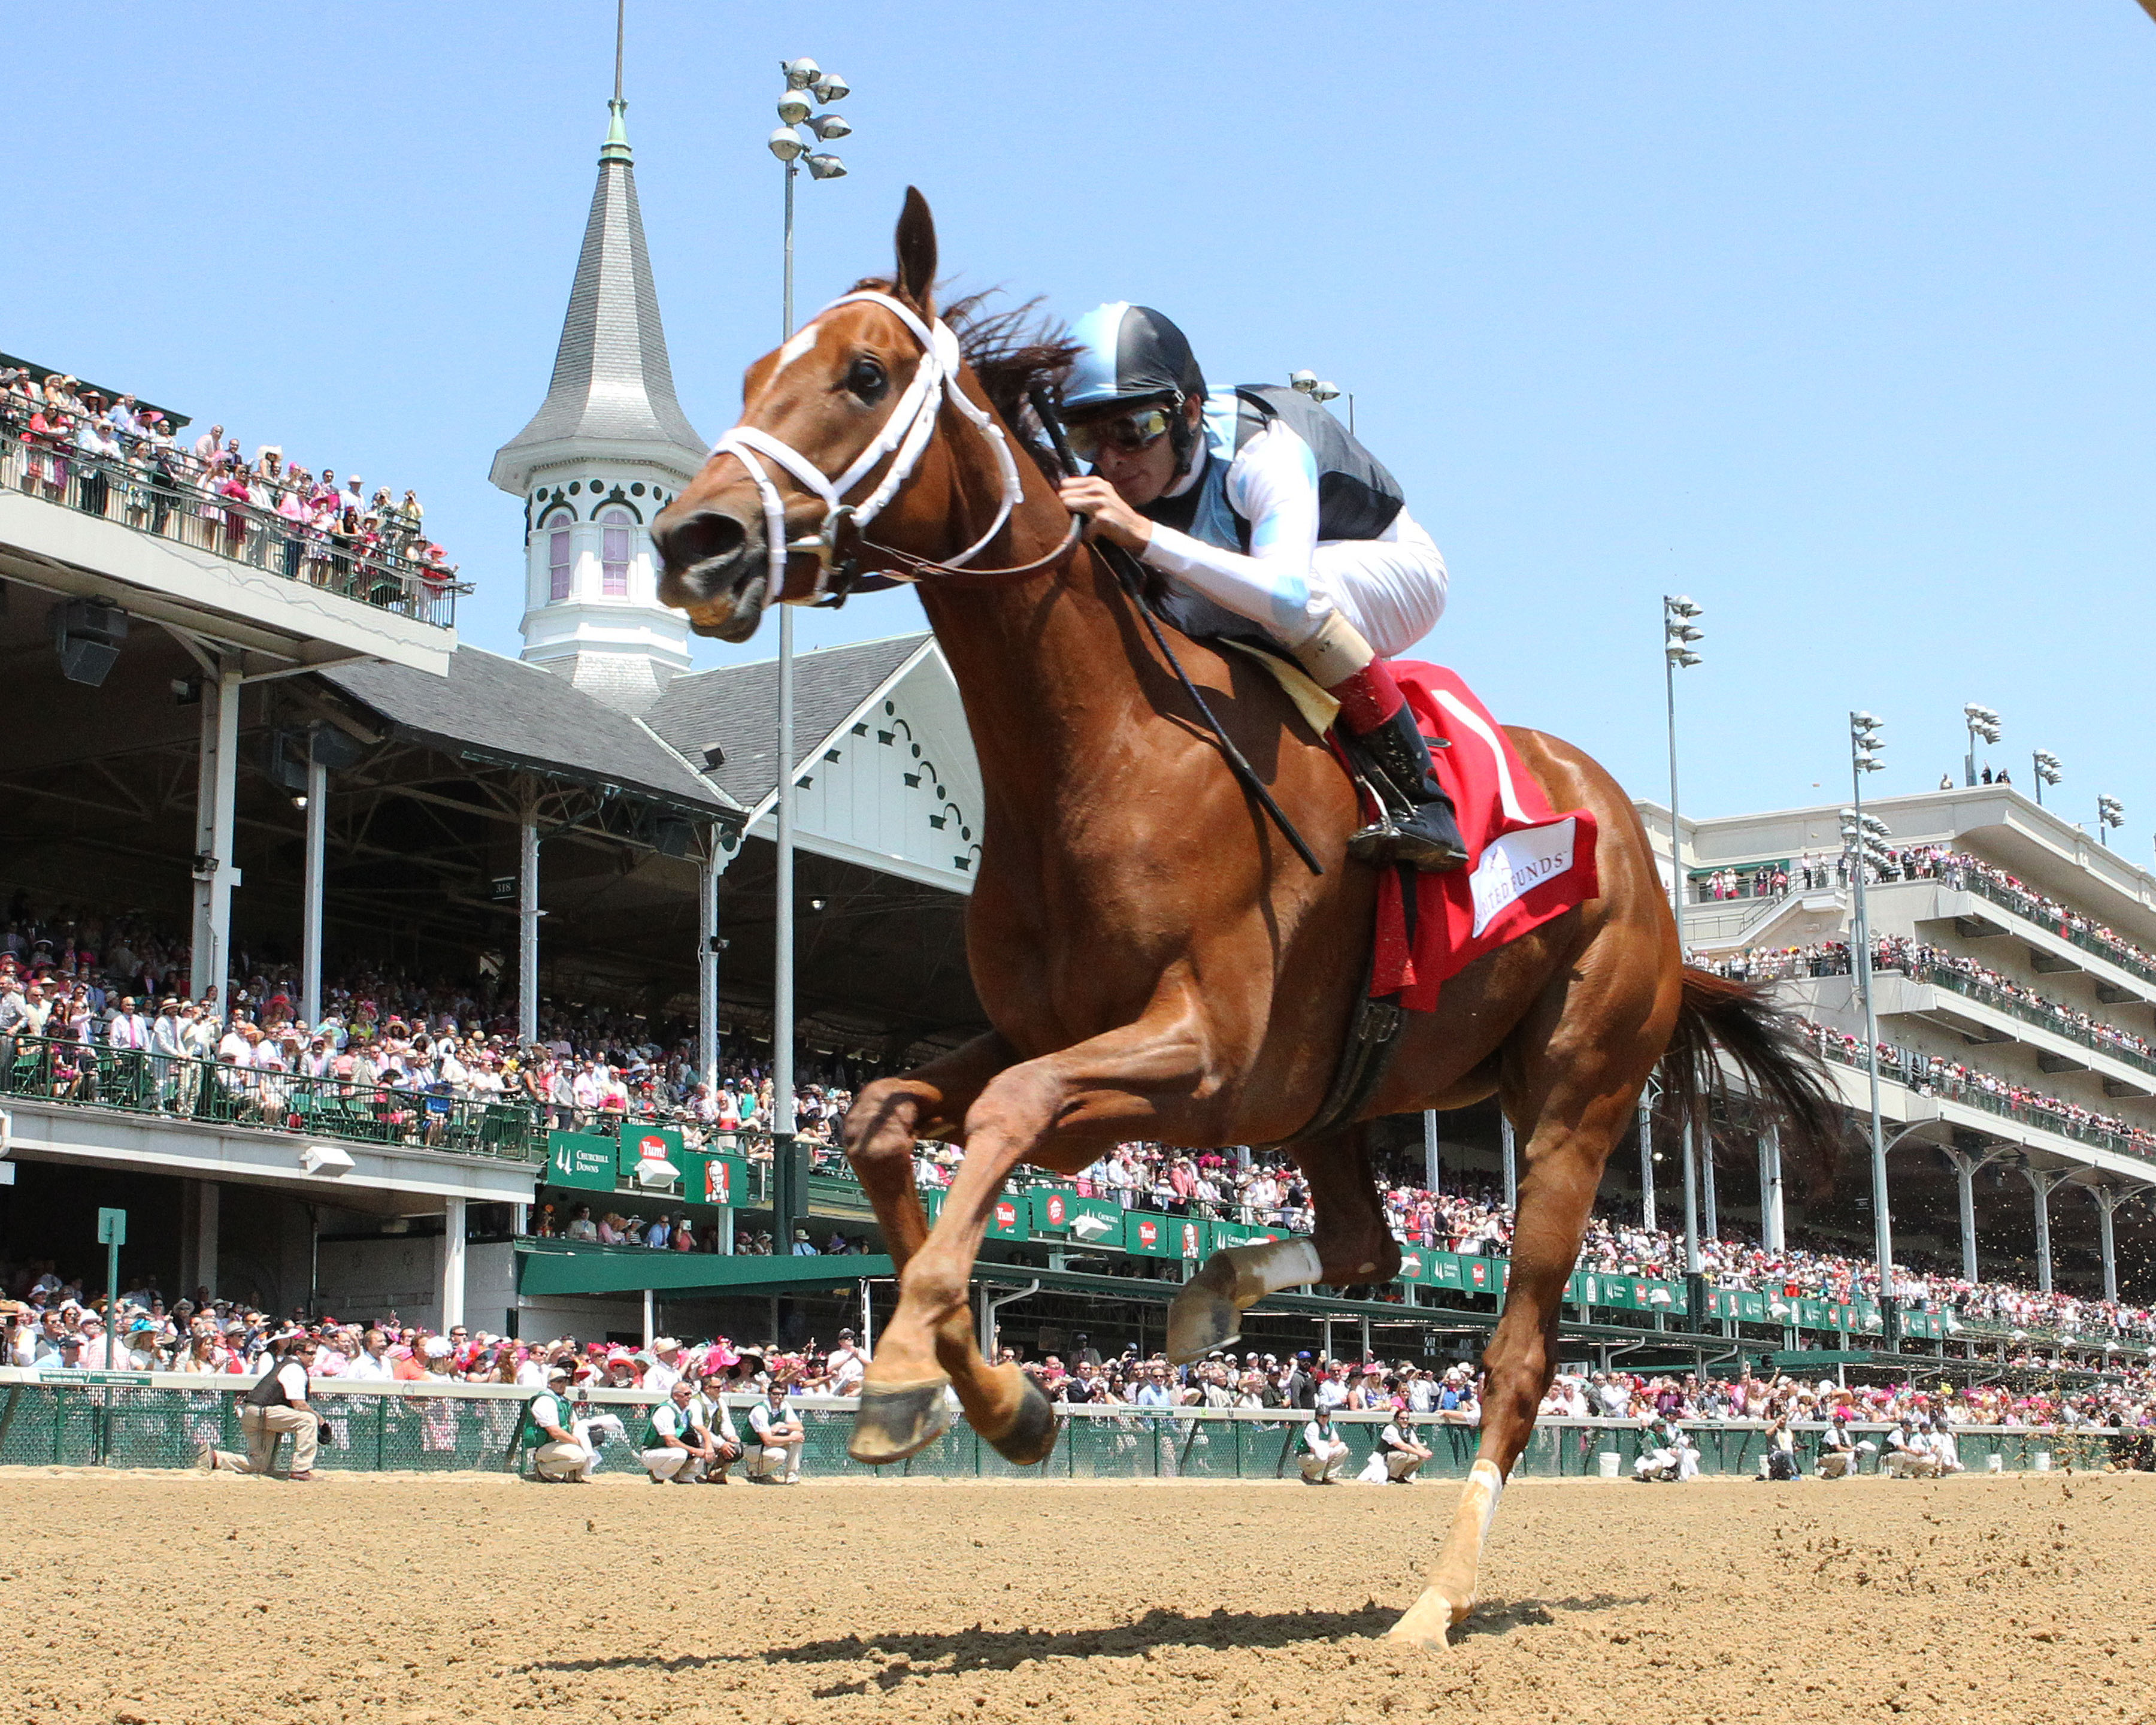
917	250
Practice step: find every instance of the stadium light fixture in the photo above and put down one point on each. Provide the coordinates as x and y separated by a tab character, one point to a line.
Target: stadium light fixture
2048	771
1323	390
2110	812
1981	722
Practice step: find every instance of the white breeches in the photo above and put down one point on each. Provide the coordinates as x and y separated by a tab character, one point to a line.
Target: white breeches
667	1463
558	1461
1391	588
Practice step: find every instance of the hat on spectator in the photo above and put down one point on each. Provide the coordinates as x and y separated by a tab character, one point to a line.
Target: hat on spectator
435	1348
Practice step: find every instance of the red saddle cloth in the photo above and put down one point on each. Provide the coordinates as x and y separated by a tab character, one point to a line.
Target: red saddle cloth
1529	863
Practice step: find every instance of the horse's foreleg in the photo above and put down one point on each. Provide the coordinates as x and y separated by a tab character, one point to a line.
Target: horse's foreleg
1349	1243
887	1120
1090	1094
1564	1160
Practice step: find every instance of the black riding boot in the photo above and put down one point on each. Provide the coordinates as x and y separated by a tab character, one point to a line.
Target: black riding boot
1418	825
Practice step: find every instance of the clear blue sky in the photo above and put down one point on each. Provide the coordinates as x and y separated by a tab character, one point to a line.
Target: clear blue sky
1838	317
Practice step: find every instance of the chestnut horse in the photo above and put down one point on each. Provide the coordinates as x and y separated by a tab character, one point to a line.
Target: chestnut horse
1156	962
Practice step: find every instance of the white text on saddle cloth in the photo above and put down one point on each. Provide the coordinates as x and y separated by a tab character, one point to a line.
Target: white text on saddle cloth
1515	863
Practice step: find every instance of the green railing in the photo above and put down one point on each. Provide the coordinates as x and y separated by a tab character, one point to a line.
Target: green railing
136	1082
2035	910
162	1420
1908	1075
2044	1018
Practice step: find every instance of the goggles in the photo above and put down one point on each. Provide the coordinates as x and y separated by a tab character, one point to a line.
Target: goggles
1129	432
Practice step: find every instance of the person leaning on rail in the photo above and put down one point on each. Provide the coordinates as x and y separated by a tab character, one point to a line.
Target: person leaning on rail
276	1406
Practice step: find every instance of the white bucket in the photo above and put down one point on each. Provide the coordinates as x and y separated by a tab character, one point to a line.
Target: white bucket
1996	1462
1610	1461
2043	1462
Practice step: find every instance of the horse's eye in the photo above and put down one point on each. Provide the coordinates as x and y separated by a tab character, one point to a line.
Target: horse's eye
868	380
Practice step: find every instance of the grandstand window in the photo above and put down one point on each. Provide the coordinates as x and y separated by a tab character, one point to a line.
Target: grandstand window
557	564
616	538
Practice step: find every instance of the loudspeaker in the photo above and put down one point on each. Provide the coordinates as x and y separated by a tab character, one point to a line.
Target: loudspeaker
87	636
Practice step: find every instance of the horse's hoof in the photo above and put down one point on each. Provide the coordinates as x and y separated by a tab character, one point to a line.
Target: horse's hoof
1030	1437
1428	1624
894	1423
1201	1317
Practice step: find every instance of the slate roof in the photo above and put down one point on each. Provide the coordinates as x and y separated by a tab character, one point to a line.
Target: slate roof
612	381
736	707
506	711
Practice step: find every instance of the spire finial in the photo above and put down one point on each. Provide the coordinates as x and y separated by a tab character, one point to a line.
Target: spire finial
616	147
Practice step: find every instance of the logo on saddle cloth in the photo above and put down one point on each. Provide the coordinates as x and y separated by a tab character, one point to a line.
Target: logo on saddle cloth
1513	864
1532	862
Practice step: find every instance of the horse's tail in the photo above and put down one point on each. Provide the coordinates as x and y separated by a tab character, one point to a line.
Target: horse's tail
1780	1063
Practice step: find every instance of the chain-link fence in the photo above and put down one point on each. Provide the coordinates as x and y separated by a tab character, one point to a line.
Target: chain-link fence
162	1420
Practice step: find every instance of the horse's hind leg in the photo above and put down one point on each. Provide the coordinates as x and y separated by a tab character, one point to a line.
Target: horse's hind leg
887	1120
1578	1087
1349	1243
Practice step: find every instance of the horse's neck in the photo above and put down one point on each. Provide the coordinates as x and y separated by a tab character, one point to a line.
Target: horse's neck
1048	667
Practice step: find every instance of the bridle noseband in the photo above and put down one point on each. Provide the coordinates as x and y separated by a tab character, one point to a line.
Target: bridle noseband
904	438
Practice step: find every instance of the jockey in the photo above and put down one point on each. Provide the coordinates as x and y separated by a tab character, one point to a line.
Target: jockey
1258	499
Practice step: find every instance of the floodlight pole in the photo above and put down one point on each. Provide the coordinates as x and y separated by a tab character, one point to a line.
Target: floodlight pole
781	982
1882	1224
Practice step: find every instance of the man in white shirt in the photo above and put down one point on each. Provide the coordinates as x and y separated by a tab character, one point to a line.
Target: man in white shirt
1403	1454
276	1406
561	1453
672	1450
371	1364
1324	1450
848	1365
779	1434
664	1371
714	1428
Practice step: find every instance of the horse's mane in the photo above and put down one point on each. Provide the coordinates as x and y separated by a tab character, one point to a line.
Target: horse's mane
1010	349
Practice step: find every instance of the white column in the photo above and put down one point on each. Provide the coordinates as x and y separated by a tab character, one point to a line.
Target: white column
707	958
1511	1160
1773	1218
453	1263
2107	1200
1690	1203
198	1245
310	899
1432	1173
527	926
650	1330
2041	1185
216	785
1965	1181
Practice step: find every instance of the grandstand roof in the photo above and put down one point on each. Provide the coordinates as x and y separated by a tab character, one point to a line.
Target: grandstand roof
736	707
502	711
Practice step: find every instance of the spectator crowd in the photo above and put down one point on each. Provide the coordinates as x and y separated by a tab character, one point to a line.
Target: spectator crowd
117	458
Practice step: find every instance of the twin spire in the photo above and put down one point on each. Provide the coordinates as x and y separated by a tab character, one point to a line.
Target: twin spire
613	390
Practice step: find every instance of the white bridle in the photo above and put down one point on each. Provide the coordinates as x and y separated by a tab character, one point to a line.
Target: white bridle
905	435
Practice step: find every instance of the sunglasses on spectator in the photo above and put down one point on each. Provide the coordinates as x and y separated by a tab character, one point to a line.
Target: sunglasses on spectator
1129	432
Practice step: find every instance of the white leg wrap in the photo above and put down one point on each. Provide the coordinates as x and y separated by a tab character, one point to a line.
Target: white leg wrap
1262	1269
1484	1479
1335	653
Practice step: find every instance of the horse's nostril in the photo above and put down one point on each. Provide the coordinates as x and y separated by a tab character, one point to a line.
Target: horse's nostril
704	537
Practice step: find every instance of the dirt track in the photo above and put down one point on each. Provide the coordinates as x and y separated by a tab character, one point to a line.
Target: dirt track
426	1600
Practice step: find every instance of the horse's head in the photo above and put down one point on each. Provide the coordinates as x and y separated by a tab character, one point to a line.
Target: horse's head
825	400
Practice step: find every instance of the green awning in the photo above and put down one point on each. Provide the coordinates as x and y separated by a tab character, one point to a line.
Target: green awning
549	1269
